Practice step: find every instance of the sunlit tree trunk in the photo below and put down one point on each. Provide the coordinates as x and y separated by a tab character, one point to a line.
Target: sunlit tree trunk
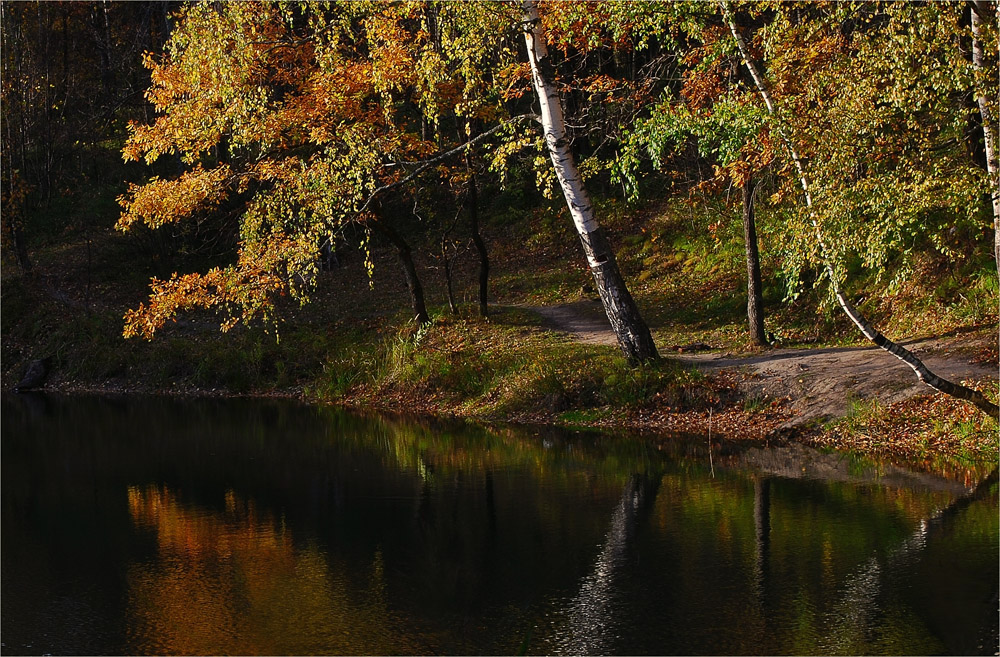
448	286
633	335
755	296
982	12
869	331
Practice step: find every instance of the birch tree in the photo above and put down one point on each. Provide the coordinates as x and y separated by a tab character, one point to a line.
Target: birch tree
985	24
633	334
870	332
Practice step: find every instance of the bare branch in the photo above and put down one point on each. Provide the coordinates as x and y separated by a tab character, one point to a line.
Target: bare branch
441	157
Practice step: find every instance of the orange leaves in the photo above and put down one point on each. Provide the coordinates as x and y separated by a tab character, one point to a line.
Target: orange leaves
601	83
167	297
393	59
701	87
159	202
311	106
244	291
326	99
705	79
517	79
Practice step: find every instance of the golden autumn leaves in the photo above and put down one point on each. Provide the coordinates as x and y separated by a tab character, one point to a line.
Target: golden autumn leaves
276	113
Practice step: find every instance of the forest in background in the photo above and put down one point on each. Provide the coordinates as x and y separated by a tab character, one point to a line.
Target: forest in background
268	144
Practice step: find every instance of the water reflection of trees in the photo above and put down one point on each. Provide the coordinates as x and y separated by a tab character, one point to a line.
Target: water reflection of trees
457	538
862	601
233	581
591	615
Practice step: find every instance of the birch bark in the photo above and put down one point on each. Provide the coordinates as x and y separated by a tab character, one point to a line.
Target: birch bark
981	13
869	331
631	330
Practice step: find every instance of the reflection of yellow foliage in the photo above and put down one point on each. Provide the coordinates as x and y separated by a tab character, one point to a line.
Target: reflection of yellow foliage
198	534
233	581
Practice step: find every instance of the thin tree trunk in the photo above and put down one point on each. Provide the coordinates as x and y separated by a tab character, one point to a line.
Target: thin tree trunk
484	258
981	11
20	248
632	332
45	32
755	297
446	259
921	370
107	75
410	271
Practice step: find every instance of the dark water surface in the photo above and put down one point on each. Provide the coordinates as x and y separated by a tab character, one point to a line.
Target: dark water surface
137	526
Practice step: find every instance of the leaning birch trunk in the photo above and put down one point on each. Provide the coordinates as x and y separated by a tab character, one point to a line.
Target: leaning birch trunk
870	332
633	335
980	13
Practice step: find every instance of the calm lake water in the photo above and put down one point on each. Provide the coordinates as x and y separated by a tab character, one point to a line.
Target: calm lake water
137	526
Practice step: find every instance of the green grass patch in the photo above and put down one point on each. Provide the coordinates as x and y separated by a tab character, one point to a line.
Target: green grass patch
929	426
508	367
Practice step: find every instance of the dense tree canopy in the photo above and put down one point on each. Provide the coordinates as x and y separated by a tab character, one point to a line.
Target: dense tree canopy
291	121
297	116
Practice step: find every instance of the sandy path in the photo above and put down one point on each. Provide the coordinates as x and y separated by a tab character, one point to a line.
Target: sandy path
819	382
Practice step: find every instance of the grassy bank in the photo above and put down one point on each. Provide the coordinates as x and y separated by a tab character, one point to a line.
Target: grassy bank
354	345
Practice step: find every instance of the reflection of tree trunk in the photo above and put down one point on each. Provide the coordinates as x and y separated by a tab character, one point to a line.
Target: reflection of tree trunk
762	531
406	259
425	507
491	507
755	300
854	614
591	612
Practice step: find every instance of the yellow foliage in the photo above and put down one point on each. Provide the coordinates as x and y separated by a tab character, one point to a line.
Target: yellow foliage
163	201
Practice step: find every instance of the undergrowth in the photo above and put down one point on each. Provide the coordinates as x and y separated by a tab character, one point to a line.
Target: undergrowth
503	367
927	426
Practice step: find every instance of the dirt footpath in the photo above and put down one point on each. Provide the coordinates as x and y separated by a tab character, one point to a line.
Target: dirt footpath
818	382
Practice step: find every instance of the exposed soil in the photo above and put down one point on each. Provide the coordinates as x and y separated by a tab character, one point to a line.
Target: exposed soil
817	383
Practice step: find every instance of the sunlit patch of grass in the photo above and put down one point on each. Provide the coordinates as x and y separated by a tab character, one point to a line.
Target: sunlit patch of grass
506	367
924	426
755	403
582	418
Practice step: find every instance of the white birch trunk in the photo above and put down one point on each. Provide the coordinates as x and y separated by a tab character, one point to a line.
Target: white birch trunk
633	335
980	13
869	331
553	126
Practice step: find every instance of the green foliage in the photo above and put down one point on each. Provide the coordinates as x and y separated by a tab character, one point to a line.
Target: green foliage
291	119
720	135
878	115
